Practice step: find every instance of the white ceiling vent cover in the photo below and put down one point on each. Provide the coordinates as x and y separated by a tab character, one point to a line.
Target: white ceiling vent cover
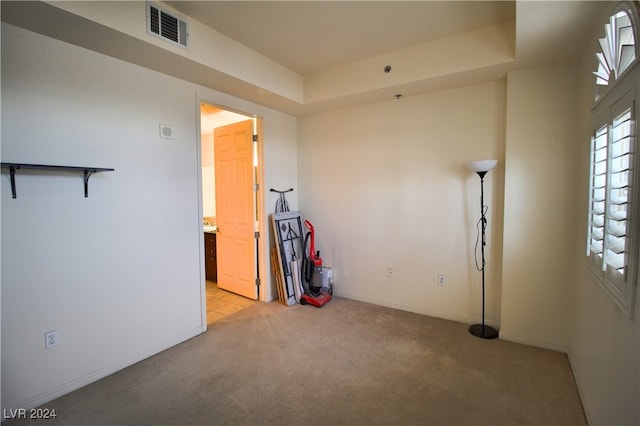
166	25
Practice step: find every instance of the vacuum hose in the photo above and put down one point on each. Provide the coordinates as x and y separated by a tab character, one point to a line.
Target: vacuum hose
311	283
313	254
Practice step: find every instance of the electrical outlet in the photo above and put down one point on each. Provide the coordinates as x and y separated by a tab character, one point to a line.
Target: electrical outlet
442	280
51	339
391	273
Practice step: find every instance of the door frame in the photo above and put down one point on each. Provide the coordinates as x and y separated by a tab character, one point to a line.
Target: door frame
264	291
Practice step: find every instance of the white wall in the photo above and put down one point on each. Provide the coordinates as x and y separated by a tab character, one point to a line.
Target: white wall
118	274
386	185
604	346
541	206
605	355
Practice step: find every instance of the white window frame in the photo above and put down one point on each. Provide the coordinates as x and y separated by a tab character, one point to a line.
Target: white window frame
620	94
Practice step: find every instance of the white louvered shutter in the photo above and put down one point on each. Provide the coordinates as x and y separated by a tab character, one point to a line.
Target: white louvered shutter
612	241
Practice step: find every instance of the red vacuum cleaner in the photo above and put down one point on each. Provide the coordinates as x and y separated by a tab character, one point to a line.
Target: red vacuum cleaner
312	272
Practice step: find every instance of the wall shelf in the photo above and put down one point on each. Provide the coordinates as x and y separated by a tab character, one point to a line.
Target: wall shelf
86	172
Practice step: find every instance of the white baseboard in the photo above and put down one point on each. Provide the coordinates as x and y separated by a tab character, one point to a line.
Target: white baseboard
583	397
407	308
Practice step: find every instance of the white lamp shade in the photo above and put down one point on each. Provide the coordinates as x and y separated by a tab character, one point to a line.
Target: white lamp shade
482	165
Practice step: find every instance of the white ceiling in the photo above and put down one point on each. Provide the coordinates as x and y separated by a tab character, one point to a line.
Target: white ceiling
309	36
337	48
320	38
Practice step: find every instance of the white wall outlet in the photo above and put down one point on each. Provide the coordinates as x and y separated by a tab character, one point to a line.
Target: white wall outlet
51	339
442	280
391	273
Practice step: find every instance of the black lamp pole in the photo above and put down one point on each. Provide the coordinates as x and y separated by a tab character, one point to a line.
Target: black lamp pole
482	330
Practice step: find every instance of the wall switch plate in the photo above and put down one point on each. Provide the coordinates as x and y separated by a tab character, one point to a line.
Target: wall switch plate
51	339
166	131
391	273
442	280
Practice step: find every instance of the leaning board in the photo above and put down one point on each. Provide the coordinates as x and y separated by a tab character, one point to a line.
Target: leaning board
287	228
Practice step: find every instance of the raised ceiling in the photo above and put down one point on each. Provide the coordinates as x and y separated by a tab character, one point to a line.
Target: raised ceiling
305	56
320	40
310	36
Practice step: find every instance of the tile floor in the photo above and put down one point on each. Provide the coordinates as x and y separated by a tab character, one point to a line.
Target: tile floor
221	303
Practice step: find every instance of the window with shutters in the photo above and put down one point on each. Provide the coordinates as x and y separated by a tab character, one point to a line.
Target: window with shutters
617	50
613	197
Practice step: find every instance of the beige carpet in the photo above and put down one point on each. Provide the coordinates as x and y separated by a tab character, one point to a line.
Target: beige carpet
348	363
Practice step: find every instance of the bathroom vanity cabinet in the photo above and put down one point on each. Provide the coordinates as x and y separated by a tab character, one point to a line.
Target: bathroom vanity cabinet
210	262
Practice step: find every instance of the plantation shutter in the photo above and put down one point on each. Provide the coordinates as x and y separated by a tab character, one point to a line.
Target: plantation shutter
598	191
616	251
612	161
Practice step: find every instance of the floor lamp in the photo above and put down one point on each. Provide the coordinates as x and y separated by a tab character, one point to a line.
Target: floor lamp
481	168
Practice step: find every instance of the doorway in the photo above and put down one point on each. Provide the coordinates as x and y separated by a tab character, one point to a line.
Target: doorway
231	173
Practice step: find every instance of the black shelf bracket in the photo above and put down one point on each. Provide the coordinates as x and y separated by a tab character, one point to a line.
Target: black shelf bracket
86	173
12	171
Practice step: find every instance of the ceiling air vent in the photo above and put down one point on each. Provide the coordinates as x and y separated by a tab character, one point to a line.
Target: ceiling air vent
166	25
